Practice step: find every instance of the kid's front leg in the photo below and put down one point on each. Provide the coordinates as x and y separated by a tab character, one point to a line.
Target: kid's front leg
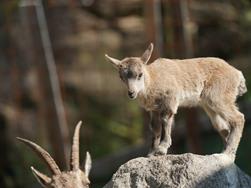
167	118
156	130
166	141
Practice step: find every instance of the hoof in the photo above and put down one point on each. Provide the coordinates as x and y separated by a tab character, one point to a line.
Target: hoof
161	151
231	154
158	152
151	154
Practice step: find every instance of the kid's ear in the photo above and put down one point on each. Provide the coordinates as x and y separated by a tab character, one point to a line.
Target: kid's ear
114	61
147	54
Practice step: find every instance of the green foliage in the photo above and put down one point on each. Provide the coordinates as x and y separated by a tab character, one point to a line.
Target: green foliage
111	129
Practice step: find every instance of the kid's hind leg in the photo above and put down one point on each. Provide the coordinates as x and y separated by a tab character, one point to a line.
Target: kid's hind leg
220	125
220	95
236	121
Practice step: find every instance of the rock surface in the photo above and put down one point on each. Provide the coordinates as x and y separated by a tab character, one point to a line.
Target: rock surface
186	170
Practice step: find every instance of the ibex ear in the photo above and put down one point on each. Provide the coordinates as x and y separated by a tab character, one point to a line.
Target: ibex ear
42	178
88	164
114	61
147	54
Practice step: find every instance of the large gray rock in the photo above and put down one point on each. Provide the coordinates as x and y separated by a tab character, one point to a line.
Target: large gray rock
186	170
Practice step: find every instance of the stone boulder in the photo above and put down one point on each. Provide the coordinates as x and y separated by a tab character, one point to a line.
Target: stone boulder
186	170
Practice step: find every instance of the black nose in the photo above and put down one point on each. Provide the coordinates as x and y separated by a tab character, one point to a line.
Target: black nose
130	93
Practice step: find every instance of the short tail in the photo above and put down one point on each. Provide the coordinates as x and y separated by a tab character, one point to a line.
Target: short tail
242	88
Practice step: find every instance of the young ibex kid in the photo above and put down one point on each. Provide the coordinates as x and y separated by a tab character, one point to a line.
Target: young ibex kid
164	85
75	178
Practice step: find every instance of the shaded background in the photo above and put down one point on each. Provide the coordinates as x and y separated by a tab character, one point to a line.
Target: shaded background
53	73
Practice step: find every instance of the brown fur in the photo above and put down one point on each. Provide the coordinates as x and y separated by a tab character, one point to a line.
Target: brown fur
167	84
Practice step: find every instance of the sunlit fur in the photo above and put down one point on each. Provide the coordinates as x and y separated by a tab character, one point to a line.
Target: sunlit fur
167	84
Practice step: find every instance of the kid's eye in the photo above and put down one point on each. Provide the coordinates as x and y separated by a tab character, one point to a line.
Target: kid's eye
140	75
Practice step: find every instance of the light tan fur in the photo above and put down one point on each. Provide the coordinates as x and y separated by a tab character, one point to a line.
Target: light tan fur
167	84
75	178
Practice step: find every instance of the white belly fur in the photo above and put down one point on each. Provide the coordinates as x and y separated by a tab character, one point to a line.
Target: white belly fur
189	99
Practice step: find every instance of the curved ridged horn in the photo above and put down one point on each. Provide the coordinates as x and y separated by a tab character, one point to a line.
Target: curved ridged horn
75	148
43	154
88	164
42	178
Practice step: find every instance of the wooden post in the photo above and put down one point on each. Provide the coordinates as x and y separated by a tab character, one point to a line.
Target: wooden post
154	28
51	103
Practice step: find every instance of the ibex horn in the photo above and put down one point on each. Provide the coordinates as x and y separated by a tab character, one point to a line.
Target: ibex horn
75	148
43	154
42	178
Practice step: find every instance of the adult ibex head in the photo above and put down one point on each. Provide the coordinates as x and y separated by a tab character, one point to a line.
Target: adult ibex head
75	178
